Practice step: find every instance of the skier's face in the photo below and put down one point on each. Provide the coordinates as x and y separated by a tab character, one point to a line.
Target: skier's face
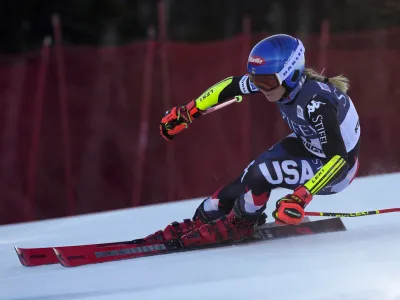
274	95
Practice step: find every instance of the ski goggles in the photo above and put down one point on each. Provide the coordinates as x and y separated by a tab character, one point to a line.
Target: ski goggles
265	82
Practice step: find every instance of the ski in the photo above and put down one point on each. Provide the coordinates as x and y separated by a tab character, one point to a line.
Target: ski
32	257
73	256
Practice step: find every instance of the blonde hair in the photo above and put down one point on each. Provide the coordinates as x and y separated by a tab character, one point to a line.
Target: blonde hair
341	82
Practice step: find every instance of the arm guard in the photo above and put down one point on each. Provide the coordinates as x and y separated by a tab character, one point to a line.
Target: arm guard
224	90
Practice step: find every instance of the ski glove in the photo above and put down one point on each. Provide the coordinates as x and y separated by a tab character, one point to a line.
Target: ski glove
178	119
290	209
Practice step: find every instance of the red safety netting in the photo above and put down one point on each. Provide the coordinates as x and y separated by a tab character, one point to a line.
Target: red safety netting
79	129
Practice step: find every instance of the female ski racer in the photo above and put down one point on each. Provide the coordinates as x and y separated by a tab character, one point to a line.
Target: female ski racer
324	124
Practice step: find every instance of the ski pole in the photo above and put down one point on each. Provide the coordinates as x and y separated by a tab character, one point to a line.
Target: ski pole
357	214
219	106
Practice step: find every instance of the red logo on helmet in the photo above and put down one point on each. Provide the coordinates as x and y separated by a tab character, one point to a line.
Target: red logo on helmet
256	60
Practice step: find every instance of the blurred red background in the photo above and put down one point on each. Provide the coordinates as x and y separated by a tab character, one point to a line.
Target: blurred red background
80	125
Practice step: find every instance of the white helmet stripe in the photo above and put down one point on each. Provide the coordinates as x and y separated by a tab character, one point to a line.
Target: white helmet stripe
291	63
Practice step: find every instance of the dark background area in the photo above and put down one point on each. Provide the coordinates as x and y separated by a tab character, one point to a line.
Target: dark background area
23	24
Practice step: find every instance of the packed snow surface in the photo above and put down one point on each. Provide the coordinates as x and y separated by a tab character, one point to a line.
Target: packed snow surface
360	263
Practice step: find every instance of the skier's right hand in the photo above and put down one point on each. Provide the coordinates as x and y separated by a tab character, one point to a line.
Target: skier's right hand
178	119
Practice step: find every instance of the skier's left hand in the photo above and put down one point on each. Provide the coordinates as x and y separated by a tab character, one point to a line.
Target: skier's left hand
290	209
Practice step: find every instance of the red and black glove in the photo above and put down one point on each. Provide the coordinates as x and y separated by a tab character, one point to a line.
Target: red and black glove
290	209
178	119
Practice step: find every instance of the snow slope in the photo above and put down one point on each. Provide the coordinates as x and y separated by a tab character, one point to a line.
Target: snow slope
361	263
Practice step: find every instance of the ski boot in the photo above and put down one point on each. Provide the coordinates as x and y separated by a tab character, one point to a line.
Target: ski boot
237	226
176	229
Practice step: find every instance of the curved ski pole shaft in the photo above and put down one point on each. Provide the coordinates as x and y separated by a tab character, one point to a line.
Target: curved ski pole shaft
356	214
219	106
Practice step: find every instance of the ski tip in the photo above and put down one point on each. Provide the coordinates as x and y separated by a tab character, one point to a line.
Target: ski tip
21	257
60	258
